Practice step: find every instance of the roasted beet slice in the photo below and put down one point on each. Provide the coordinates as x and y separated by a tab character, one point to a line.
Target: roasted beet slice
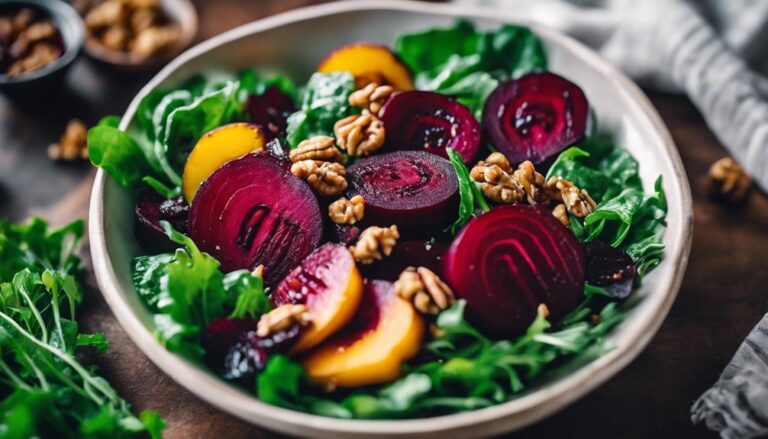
252	211
220	336
329	284
428	121
535	117
510	260
271	110
150	210
416	190
609	268
407	254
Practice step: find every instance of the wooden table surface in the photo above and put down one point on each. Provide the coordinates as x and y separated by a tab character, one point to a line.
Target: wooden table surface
722	296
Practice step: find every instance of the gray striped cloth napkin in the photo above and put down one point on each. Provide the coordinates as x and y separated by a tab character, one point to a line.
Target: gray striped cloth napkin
716	52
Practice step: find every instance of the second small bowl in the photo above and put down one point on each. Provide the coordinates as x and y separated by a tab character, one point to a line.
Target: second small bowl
180	12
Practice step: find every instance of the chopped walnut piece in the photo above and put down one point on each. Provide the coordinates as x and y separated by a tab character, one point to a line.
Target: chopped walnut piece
496	183
326	178
728	181
282	318
316	148
41	55
543	310
375	243
421	286
577	201
154	39
371	97
343	211
359	135
531	181
105	14
72	144
561	213
115	38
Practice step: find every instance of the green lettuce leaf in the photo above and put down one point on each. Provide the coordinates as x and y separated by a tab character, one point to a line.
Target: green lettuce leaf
325	101
468	64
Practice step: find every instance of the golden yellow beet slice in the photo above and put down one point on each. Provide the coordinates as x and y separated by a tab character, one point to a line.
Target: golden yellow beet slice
215	148
369	62
385	332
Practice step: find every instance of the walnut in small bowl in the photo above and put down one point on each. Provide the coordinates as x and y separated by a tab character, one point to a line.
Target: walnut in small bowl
29	41
137	33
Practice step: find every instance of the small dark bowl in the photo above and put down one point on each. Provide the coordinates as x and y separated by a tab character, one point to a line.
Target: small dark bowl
72	31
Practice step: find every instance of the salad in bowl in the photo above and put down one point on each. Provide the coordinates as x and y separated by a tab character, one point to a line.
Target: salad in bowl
411	231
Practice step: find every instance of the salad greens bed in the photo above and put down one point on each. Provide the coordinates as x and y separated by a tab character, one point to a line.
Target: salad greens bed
458	370
46	391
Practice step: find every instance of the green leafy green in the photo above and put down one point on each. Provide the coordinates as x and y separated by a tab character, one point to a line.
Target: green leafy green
470	197
626	216
47	391
251	83
325	101
467	64
186	291
118	154
470	371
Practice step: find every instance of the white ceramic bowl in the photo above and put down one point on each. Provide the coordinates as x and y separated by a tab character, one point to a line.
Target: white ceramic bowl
295	42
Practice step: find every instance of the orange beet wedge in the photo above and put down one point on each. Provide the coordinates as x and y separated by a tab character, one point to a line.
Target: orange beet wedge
217	147
369	61
385	332
328	282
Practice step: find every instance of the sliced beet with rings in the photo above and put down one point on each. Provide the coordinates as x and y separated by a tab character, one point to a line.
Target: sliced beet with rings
428	121
535	117
508	261
271	110
416	190
150	210
406	254
252	211
609	268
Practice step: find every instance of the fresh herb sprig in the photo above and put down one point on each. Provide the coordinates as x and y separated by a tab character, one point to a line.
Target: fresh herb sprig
46	391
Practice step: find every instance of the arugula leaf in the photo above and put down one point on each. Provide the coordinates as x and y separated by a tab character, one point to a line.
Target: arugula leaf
470	197
325	101
186	291
469	371
49	393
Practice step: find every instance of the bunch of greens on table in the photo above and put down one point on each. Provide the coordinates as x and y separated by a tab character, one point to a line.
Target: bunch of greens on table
461	369
46	390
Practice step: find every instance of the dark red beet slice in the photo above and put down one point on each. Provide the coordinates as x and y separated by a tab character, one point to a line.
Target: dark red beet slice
233	349
150	210
252	211
428	121
271	110
535	117
407	254
376	294
416	190
508	261
220	336
609	268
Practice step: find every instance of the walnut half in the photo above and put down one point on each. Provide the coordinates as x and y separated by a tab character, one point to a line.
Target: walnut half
375	243
326	178
421	286
728	181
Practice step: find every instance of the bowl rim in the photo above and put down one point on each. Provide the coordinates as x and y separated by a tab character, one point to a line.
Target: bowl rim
65	15
506	416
